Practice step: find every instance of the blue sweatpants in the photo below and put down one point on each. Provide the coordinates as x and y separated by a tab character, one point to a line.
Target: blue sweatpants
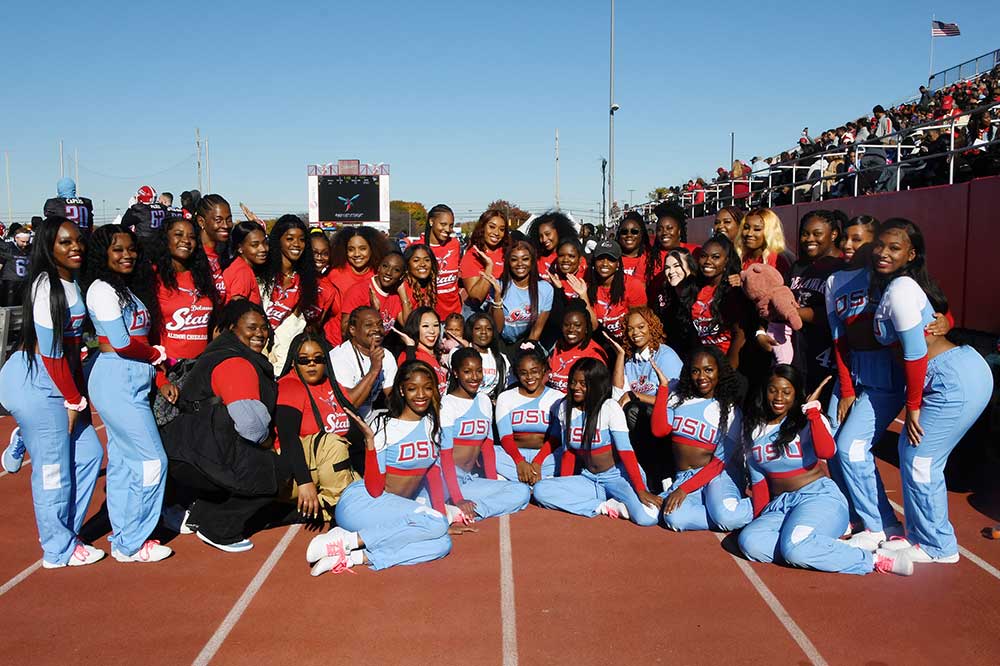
803	529
507	468
854	468
64	466
958	387
582	493
717	505
492	496
395	530
119	388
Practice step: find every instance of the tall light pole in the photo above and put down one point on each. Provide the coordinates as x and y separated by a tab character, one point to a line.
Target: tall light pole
604	198
611	117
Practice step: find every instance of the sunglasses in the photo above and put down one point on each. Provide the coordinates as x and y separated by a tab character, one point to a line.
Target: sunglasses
315	360
630	231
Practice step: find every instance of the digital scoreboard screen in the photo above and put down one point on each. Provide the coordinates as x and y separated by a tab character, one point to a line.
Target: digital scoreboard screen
348	199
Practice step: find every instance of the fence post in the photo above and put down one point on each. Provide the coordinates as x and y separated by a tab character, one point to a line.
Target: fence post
899	158
857	167
769	186
794	181
951	155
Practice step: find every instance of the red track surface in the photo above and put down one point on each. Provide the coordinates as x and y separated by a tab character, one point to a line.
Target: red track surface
584	592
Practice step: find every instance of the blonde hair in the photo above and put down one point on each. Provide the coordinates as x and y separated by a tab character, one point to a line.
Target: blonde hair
774	235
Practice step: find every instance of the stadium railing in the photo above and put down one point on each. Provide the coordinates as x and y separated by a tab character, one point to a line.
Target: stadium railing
969	69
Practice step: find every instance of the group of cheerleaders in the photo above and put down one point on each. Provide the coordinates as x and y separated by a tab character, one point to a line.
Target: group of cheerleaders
522	369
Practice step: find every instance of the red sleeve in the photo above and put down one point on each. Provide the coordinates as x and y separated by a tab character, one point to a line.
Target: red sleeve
660	424
568	465
435	489
548	447
470	266
760	495
235	379
950	318
822	439
140	350
510	446
292	393
489	455
62	377
632	467
916	373
374	477
450	477
840	352
704	475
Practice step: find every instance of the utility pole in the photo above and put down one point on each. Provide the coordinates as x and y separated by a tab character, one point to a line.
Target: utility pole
62	162
557	168
208	167
611	122
10	208
604	198
197	143
630	193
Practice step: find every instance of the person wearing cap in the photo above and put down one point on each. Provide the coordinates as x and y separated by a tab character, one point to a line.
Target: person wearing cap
609	294
14	257
146	216
78	210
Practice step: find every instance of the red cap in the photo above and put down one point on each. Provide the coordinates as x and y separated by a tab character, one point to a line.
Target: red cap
145	194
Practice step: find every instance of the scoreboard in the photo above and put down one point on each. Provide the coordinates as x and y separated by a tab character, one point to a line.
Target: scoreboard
349	193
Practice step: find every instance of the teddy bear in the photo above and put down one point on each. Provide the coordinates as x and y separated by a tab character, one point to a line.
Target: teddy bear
775	302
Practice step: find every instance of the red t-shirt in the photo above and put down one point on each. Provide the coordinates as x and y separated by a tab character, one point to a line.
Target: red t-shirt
344	278
471	265
772	259
185	315
612	315
431	360
448	260
545	261
239	280
635	267
216	266
283	301
561	362
293	393
389	304
581	273
701	318
327	303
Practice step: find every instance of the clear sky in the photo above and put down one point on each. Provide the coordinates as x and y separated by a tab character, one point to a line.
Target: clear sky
461	98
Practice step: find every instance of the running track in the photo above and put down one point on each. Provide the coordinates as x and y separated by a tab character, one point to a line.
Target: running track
537	588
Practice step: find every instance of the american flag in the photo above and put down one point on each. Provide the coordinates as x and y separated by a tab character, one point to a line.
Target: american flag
942	29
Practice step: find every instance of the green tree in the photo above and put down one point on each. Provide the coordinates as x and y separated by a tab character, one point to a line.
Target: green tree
659	194
514	213
407	216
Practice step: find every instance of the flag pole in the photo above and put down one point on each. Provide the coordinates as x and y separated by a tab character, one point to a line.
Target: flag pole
930	66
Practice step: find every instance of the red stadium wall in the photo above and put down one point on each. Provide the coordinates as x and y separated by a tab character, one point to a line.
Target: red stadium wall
956	220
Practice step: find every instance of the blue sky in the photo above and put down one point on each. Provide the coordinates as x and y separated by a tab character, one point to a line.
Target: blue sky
461	98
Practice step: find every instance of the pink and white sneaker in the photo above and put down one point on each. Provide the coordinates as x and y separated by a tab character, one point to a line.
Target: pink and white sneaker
82	555
613	508
918	555
337	560
151	551
319	546
894	562
896	543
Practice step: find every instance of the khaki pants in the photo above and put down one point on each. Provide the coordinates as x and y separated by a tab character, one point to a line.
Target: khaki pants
330	467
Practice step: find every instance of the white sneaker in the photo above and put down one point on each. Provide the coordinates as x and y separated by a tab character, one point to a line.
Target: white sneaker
895	543
866	540
918	555
338	561
151	551
893	561
175	519
241	546
82	556
612	508
330	543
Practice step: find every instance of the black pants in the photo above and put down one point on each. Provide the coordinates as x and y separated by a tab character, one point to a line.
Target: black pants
11	292
219	514
654	454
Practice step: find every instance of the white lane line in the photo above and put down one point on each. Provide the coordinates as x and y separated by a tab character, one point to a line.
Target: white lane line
965	552
508	613
236	612
779	611
9	585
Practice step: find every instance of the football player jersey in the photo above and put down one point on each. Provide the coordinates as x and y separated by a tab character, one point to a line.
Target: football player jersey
78	210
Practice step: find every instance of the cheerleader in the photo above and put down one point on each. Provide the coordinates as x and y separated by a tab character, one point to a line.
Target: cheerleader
41	385
467	435
379	522
120	382
799	513
947	388
704	419
521	301
590	425
480	334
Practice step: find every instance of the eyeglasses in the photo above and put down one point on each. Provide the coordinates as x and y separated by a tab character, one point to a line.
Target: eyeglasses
315	360
629	231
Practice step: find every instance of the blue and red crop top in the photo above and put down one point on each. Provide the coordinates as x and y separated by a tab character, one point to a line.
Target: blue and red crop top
900	318
52	350
695	422
466	422
125	329
801	454
611	435
405	448
516	413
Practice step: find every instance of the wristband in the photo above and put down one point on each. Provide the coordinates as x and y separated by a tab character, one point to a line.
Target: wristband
163	354
811	405
79	407
760	332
